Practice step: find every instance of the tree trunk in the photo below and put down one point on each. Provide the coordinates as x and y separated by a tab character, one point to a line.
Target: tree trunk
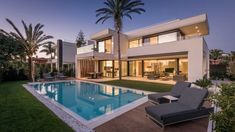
51	64
119	56
30	68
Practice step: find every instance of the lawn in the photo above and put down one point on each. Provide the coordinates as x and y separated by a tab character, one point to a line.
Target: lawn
153	87
20	111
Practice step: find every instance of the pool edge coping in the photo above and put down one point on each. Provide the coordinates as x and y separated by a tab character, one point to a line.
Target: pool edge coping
77	121
59	111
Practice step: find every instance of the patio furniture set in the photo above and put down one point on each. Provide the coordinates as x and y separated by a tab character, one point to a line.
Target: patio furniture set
183	103
166	75
58	76
95	75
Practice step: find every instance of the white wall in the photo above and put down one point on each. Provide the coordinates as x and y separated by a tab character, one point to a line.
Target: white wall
123	45
69	52
194	47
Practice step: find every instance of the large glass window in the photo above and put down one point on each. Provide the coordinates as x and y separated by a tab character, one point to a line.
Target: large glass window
101	46
116	68
167	37
150	40
135	43
108	46
105	46
183	67
106	67
160	66
135	68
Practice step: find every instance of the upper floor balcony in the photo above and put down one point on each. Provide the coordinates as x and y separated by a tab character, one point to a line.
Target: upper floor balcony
95	52
180	46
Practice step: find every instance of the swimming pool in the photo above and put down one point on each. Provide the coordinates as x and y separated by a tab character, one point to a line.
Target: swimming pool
88	100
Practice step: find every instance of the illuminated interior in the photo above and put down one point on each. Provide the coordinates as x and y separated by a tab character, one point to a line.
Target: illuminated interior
105	46
106	67
135	43
160	67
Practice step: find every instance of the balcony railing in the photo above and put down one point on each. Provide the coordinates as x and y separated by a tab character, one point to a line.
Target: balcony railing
179	39
85	49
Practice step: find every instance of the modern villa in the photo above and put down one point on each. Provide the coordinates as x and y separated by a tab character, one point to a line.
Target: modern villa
174	50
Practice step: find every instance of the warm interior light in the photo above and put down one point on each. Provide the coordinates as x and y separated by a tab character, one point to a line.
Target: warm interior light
196	27
198	31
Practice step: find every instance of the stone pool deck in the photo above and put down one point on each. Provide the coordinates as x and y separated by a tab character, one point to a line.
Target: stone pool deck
136	121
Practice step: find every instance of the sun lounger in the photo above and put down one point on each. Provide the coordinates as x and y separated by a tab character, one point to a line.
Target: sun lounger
61	76
189	107
176	91
47	77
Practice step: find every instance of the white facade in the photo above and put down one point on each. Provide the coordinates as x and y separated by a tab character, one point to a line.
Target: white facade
181	38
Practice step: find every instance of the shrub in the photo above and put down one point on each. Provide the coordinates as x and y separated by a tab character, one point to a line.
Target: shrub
1	74
218	72
22	75
204	82
218	75
10	74
225	100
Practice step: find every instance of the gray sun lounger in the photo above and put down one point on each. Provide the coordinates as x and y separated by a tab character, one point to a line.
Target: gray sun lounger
61	76
48	77
176	91
189	107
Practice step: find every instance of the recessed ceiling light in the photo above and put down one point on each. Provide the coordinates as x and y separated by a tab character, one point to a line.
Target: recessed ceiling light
196	27
198	31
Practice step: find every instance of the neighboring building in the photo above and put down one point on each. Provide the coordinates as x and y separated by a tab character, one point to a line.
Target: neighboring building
65	55
168	50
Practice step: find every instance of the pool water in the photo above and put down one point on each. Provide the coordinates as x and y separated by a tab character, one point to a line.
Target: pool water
88	100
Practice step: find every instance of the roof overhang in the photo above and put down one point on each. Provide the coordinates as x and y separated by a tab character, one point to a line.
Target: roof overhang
185	25
102	34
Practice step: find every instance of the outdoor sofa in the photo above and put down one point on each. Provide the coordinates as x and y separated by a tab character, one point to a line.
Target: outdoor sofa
188	107
176	91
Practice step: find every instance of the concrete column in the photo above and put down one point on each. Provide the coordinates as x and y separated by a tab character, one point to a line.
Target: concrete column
142	68
96	66
77	68
128	68
195	65
113	68
177	66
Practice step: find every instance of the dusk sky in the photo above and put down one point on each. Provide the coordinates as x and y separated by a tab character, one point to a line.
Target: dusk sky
64	18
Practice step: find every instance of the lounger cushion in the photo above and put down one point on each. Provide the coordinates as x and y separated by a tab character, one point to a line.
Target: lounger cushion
162	110
179	87
193	97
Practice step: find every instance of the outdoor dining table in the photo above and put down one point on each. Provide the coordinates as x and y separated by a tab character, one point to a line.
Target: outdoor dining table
92	75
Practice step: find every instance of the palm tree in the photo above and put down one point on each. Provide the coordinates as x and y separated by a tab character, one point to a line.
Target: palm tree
117	10
49	50
215	54
34	38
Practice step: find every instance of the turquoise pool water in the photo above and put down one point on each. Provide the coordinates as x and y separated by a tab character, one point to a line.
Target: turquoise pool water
88	100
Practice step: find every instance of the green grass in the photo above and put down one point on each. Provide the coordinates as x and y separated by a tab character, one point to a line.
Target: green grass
21	112
148	86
